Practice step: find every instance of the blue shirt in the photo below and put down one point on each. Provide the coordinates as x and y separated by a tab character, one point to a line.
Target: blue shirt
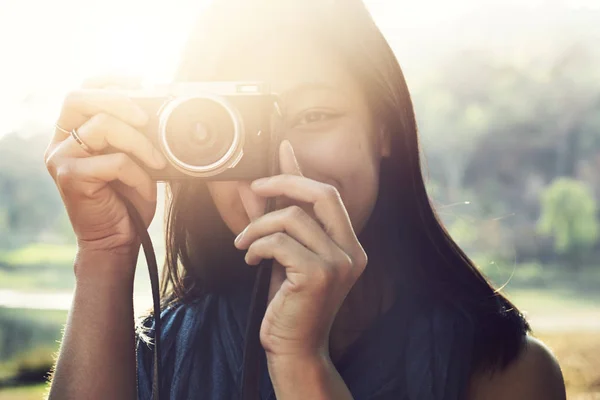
409	353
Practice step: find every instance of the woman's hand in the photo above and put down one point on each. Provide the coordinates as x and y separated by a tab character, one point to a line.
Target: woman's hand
320	255
89	182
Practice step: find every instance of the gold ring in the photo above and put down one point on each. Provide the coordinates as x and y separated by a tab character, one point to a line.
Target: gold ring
66	132
78	140
75	135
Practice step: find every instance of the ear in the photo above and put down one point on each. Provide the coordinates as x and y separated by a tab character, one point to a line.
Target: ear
385	142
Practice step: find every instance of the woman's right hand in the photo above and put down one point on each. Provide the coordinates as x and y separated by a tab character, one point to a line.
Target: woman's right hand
109	123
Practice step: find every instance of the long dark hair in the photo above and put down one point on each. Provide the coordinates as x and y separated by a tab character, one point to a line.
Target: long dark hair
427	262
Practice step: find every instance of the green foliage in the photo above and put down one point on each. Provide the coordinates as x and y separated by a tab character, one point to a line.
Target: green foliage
38	279
568	213
463	231
30	206
39	253
38	266
28	342
22	330
34	392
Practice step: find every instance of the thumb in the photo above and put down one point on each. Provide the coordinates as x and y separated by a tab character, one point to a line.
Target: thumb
288	164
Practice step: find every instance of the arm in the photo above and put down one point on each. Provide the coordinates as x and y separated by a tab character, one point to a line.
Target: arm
90	160
314	378
535	375
97	354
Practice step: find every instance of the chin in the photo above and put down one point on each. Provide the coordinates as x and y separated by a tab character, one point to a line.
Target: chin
236	218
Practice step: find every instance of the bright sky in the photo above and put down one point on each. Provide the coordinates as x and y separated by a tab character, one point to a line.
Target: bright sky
47	47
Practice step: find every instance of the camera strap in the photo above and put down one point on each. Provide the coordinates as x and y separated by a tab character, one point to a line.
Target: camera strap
258	302
260	293
140	227
252	346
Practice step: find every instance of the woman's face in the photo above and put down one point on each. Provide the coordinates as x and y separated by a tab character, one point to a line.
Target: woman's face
329	124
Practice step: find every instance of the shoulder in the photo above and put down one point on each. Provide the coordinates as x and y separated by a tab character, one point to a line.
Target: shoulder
448	341
534	374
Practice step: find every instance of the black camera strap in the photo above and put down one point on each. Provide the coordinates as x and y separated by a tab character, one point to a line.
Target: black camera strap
140	227
260	293
258	305
258	302
252	346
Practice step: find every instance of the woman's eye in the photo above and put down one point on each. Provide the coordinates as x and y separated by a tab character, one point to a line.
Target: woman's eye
314	116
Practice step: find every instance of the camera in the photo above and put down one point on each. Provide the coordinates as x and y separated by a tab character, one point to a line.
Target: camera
210	130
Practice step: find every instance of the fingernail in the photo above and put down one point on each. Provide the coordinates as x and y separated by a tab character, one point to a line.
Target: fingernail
239	237
288	144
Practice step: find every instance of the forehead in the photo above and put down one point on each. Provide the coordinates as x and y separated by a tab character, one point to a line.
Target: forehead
286	62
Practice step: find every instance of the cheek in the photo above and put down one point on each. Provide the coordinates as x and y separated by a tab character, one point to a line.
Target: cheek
359	184
345	159
227	200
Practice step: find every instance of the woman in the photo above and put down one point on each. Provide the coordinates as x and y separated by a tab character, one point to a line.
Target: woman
369	298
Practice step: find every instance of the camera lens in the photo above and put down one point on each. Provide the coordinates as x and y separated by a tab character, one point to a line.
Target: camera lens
199	132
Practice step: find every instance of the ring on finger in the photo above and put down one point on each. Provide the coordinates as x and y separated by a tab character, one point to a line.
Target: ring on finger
63	130
77	138
73	132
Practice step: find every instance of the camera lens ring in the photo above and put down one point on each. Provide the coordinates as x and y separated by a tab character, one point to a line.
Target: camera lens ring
231	156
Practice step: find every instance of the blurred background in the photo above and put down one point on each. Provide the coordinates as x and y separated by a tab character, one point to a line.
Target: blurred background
507	95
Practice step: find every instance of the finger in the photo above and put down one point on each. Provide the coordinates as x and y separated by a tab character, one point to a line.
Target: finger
80	105
59	153
104	130
101	82
86	176
327	205
60	134
296	223
253	204
302	267
288	164
297	260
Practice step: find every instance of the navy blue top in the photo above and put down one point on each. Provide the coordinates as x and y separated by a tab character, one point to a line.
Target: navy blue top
409	353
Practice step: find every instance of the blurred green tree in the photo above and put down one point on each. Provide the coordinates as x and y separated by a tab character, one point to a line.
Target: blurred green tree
568	214
30	206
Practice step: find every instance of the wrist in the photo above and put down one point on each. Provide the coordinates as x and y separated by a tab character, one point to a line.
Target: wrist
98	267
294	367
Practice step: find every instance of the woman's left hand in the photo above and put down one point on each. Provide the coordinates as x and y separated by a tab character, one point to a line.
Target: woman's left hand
318	260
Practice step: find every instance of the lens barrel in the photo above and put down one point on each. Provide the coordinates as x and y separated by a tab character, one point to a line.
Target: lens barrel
201	135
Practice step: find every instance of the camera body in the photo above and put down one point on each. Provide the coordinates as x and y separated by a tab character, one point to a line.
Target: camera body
210	130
